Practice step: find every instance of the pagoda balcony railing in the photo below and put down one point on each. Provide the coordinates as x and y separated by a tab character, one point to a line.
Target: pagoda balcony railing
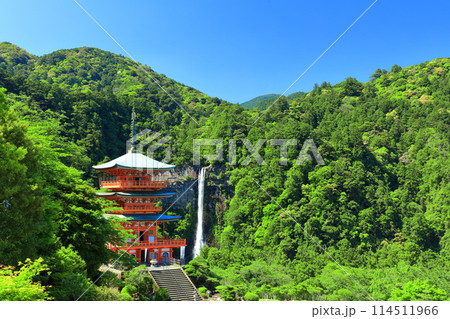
162	243
153	244
130	208
132	184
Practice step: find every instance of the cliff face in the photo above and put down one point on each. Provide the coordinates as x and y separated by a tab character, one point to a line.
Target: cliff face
218	192
182	182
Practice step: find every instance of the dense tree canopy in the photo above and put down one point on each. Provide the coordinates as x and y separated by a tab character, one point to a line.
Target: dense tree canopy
379	206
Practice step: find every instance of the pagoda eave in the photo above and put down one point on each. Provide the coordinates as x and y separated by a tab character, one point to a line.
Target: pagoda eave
134	194
145	217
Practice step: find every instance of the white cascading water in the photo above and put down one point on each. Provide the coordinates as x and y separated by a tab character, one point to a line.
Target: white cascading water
199	242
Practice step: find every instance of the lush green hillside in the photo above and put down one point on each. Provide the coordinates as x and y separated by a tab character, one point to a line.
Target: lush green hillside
295	95
60	114
253	103
264	101
379	206
15	60
95	90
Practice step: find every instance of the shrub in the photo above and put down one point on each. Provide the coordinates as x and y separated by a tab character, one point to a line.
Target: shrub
250	296
125	297
108	294
161	295
129	289
202	291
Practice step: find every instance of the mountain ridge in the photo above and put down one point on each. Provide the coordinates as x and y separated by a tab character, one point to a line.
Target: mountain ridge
262	102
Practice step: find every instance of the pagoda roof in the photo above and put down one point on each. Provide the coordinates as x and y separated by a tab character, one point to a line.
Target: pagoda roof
134	161
146	217
137	194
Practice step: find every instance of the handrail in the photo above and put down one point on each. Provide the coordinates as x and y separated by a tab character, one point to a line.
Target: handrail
161	243
140	208
153	278
133	184
153	210
195	288
137	210
158	243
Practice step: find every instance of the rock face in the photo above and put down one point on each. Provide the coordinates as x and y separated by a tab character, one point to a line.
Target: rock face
218	192
182	181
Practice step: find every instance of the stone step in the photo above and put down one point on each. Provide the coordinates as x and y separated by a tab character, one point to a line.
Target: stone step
176	282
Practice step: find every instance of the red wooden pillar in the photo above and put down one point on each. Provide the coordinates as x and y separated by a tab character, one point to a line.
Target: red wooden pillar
138	255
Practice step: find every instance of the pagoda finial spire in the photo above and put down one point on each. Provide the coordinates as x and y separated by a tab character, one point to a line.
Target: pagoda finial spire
133	131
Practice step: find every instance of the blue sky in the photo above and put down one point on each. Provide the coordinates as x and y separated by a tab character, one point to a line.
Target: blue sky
237	50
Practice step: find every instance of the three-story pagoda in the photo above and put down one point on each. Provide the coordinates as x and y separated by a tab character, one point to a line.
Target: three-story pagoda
134	182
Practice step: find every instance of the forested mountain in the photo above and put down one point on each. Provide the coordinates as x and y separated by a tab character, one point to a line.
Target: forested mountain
253	103
379	207
95	90
262	102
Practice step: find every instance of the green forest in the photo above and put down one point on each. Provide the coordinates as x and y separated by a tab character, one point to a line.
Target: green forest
373	223
265	101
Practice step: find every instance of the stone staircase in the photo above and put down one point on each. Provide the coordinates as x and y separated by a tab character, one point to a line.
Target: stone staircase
177	283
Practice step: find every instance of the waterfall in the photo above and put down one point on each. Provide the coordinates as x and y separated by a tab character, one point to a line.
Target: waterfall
199	242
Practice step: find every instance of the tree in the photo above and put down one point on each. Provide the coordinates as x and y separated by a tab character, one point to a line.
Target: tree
18	285
377	74
162	294
81	223
250	296
352	87
140	279
107	293
127	293
419	290
199	272
396	68
72	213
227	292
68	277
26	224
